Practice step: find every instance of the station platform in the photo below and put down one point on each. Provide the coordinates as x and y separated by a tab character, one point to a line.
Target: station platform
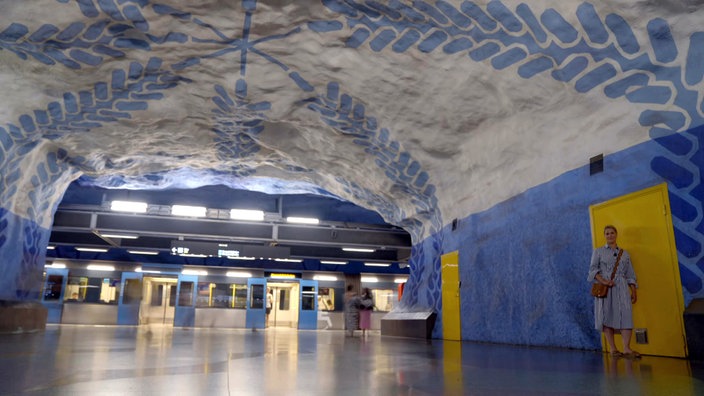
159	360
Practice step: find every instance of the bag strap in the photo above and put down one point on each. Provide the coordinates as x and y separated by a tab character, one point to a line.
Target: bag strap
613	273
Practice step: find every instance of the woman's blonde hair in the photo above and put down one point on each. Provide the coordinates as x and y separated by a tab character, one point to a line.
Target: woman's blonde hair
610	226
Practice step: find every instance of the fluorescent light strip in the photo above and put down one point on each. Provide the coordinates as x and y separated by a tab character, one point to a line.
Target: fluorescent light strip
377	264
348	249
238	274
194	272
245	214
121	236
188	211
241	258
147	252
139	269
50	247
98	250
288	260
324	277
370	279
334	262
128	206
55	265
302	220
192	255
400	280
96	267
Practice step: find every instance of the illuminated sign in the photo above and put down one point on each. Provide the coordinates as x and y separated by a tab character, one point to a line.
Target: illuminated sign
229	250
283	276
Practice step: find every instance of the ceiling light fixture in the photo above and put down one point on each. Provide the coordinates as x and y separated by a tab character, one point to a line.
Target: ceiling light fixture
288	260
55	265
238	274
245	214
128	206
121	236
400	280
377	264
333	262
364	250
139	269
324	277
97	267
188	211
188	271
370	279
85	249
302	220
146	252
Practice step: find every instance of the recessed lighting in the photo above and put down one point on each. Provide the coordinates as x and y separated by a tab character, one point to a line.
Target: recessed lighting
370	279
188	211
128	206
147	252
194	272
400	280
288	260
365	250
55	265
85	249
333	262
377	264
245	214
324	277
96	267
302	220
121	236
239	274
139	269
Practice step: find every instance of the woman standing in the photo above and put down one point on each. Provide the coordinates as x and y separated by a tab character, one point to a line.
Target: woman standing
365	313
614	313
351	311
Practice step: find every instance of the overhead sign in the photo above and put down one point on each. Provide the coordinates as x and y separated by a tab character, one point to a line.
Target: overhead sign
229	249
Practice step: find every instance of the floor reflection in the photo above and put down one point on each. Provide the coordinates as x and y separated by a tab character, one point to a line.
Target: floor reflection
278	361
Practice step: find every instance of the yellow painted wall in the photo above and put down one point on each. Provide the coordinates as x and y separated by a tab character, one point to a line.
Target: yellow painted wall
645	230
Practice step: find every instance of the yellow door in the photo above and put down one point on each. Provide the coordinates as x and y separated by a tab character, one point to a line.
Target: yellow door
645	230
450	296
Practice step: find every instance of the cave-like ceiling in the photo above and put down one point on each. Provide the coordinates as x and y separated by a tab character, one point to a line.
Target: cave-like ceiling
420	111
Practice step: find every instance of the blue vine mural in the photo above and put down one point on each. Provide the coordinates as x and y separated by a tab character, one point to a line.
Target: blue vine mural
600	53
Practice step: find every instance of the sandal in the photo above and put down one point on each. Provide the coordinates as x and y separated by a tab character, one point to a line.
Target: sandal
632	355
616	354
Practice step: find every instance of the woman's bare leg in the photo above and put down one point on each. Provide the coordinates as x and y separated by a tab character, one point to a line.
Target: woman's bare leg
609	333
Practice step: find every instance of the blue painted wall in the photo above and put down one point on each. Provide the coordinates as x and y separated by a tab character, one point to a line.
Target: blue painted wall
523	263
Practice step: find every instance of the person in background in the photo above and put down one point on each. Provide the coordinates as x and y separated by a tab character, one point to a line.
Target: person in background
352	304
269	304
365	311
614	313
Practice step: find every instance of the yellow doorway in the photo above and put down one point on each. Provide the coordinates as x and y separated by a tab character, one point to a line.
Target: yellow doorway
645	230
450	296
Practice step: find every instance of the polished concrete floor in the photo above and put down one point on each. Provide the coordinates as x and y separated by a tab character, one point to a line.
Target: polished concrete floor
94	360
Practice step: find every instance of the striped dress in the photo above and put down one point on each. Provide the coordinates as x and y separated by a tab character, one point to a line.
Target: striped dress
615	310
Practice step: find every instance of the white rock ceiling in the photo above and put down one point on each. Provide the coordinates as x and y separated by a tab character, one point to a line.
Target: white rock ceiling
482	134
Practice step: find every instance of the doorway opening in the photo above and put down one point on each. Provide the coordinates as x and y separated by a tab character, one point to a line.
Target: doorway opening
284	312
159	301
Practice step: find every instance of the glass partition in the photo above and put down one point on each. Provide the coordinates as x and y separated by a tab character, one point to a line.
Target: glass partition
92	290
133	291
384	299
257	297
326	299
308	298
221	295
53	286
185	297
